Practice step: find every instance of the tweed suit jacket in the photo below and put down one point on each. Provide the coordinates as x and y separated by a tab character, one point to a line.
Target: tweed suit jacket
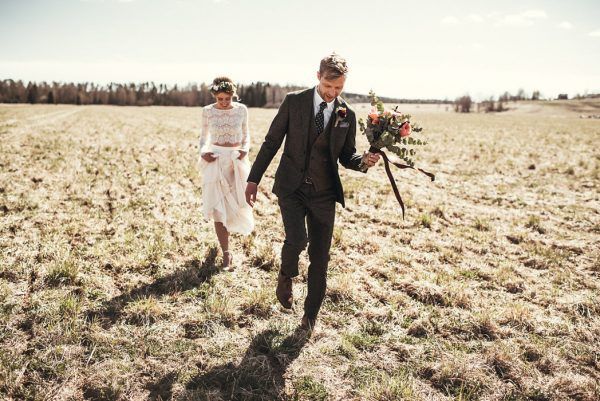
292	123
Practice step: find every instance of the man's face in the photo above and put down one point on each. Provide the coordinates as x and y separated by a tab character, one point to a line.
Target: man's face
329	89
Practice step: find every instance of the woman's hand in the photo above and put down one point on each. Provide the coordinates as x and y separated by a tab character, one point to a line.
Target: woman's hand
209	157
243	154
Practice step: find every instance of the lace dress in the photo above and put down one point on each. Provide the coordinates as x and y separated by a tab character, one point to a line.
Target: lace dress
224	180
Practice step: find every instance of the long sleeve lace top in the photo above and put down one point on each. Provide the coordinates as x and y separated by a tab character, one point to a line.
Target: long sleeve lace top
223	127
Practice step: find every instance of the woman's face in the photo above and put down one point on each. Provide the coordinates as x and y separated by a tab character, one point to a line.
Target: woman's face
223	100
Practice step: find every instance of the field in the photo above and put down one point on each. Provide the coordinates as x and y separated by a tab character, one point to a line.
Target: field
110	285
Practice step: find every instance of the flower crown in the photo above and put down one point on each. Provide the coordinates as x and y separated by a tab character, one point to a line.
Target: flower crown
223	86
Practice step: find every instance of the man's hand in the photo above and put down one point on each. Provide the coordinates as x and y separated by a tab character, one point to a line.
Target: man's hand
251	189
370	159
209	157
243	154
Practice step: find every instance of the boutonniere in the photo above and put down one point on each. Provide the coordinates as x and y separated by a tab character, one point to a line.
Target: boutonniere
340	113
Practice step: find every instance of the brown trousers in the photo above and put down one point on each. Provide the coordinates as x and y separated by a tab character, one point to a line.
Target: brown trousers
307	208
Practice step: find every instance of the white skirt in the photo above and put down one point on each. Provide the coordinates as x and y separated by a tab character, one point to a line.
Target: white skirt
223	190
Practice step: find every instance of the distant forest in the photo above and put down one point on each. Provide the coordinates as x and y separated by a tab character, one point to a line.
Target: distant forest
259	94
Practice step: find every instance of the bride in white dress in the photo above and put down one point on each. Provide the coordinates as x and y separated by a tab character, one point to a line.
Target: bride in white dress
224	145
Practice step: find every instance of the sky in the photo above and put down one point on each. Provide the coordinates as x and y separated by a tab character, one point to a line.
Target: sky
408	49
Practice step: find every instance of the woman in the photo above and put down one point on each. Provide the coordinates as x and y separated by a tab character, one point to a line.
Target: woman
224	145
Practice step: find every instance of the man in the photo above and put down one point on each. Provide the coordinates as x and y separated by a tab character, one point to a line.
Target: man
320	129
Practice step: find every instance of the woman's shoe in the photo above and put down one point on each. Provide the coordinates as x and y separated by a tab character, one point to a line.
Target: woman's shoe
227	260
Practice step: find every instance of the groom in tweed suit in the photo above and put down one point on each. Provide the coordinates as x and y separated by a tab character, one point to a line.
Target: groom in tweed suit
321	131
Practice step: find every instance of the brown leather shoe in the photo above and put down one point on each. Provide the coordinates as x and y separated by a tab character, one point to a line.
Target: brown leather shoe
284	290
308	323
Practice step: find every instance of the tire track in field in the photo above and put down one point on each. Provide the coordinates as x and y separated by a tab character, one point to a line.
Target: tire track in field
9	129
51	117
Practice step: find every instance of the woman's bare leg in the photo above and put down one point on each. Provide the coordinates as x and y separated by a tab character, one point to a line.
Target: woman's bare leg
223	237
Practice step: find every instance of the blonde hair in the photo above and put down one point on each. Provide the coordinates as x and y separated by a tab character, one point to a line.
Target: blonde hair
333	66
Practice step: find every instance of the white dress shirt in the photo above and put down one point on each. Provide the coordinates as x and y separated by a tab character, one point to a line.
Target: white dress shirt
327	111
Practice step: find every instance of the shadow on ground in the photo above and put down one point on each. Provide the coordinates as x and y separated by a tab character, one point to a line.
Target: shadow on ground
259	376
193	273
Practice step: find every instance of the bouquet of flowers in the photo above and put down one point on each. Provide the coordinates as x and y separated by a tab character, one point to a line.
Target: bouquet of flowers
392	130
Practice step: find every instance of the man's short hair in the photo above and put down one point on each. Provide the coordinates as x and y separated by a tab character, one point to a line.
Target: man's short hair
333	66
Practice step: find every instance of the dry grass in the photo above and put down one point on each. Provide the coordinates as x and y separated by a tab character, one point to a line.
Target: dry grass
110	287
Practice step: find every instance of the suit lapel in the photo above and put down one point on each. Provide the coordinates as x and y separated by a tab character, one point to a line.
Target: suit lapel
306	114
332	136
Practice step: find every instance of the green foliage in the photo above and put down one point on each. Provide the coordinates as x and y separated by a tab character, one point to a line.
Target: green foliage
425	220
63	272
362	340
307	388
258	302
375	101
265	258
69	307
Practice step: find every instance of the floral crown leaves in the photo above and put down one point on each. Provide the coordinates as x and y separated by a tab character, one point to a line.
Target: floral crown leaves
223	86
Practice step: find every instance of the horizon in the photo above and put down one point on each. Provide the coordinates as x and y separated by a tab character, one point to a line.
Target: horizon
189	85
465	48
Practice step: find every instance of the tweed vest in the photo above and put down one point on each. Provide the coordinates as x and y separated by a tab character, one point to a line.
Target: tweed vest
318	158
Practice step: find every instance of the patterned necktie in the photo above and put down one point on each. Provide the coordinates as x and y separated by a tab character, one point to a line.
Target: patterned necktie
320	118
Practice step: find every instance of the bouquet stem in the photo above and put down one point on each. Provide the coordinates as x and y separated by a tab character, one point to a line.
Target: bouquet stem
388	171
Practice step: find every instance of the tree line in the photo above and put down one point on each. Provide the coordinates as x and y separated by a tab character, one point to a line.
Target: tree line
464	103
258	94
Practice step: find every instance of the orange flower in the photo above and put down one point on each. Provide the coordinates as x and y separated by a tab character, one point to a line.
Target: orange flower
374	115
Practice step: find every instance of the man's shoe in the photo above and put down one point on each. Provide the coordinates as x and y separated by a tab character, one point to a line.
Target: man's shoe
284	290
308	323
